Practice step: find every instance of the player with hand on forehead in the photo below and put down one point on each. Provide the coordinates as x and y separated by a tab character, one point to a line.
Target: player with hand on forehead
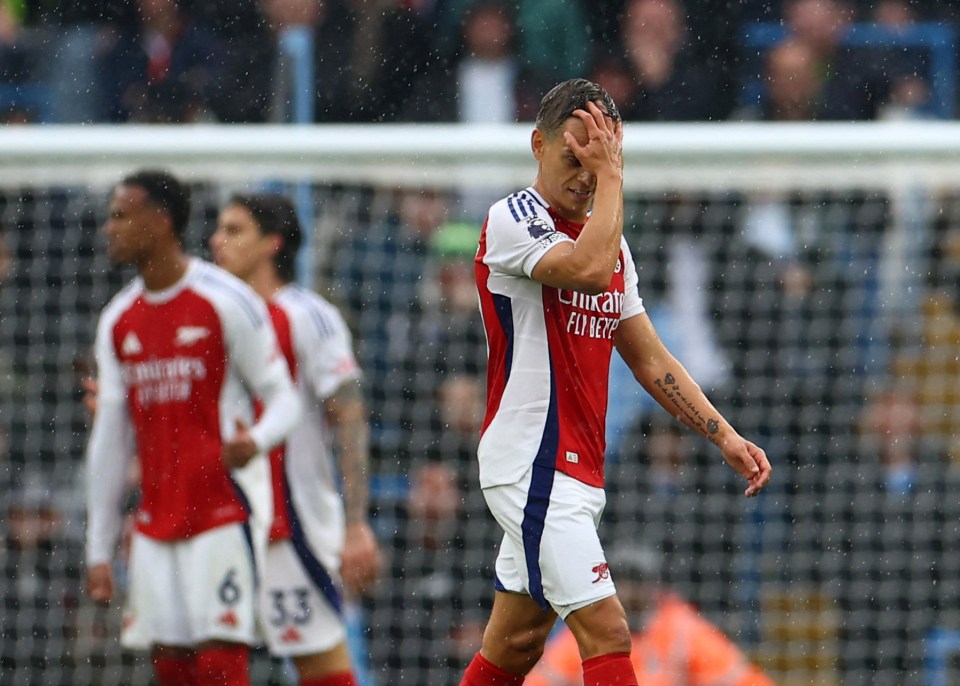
558	289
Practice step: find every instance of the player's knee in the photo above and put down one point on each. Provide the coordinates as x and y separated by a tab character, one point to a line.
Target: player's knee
601	629
527	645
618	639
606	638
516	651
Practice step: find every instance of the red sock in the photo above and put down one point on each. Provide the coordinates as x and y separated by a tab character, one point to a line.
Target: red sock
482	672
338	679
174	671
612	669
223	665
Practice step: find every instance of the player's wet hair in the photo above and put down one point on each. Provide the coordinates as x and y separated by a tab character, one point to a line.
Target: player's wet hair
166	192
275	215
559	103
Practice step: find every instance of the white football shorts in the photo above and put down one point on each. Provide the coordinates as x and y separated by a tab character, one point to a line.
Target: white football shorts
185	592
300	600
551	549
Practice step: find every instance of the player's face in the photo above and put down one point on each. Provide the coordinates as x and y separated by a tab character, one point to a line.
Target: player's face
133	225
238	245
566	186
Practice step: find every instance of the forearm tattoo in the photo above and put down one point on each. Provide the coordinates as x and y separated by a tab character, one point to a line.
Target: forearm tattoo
353	466
687	410
352	444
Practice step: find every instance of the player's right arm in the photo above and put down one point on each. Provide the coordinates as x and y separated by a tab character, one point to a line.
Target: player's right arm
110	447
587	264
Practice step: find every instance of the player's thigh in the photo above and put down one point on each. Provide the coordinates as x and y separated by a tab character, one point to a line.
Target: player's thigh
551	549
573	565
300	602
189	591
219	584
153	612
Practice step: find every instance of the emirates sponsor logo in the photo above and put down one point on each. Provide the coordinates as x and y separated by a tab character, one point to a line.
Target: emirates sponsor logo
163	380
593	316
608	302
164	369
592	326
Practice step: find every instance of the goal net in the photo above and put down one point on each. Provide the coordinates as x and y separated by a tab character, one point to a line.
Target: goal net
808	276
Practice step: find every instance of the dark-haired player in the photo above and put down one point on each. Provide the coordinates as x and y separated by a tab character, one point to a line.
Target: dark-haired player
177	350
558	290
317	534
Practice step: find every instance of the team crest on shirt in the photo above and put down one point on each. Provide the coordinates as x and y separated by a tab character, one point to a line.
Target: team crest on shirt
602	571
188	335
131	344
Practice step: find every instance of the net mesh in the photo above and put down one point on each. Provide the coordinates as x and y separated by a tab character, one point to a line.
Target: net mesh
824	324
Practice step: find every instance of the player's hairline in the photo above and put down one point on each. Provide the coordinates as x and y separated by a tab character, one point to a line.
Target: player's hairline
556	131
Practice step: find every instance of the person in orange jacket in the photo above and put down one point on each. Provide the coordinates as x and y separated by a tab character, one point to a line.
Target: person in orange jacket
672	643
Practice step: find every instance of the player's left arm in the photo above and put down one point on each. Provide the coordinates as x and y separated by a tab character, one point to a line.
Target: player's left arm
664	378
347	415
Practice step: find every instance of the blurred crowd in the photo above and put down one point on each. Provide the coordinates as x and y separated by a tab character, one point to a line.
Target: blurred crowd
467	60
826	323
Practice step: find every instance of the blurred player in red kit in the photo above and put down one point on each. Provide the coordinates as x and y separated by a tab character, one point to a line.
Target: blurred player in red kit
317	535
176	351
558	289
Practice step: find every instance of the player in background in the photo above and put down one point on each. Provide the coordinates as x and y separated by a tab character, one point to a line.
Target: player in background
176	350
317	536
558	289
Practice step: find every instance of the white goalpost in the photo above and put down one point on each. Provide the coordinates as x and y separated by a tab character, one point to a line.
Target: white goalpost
657	156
